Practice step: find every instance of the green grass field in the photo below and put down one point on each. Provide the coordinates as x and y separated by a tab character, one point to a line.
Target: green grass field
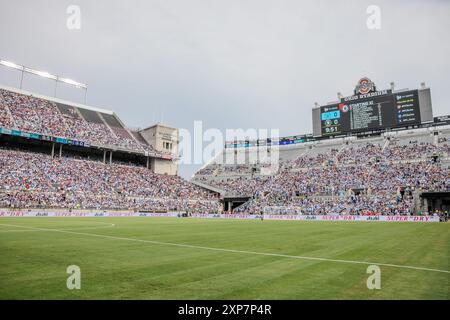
116	264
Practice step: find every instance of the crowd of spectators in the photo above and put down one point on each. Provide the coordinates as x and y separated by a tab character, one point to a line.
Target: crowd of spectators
221	170
5	117
36	115
38	180
361	178
32	114
240	186
369	153
361	204
351	180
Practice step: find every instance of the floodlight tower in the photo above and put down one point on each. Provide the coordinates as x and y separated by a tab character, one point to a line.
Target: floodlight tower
45	74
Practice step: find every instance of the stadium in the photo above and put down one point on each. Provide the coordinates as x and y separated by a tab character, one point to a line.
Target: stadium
65	164
358	208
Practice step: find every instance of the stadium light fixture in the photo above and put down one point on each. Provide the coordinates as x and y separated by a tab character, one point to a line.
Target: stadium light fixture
11	65
73	82
44	74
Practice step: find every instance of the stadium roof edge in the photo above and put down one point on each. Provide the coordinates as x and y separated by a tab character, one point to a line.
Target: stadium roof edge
158	124
57	100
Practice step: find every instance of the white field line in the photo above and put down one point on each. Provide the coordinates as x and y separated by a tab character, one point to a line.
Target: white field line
182	245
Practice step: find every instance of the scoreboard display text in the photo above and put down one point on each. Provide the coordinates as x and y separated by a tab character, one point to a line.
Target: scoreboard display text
379	110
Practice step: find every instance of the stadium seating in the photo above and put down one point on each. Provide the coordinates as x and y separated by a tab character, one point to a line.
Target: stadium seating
36	115
382	176
34	180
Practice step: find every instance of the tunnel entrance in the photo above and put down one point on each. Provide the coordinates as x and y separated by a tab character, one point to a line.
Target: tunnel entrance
436	201
231	203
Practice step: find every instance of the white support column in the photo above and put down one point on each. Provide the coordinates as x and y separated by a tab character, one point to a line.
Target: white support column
104	156
60	150
148	162
53	150
110	156
435	140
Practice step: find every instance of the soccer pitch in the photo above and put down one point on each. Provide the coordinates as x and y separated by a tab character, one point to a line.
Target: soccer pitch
185	258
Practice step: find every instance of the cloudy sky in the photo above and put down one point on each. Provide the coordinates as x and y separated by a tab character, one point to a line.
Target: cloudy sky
230	63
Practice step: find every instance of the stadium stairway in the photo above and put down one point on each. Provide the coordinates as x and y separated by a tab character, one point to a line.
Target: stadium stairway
208	187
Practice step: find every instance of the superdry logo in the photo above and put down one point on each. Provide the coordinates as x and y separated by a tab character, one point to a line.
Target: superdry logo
364	85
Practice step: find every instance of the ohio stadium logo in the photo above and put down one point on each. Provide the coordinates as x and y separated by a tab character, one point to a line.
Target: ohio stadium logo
343	107
365	85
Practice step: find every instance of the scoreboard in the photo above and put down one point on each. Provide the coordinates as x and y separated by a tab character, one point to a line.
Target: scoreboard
387	110
371	111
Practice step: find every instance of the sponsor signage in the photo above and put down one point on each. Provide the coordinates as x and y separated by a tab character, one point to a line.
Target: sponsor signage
442	120
37	136
330	217
269	142
37	213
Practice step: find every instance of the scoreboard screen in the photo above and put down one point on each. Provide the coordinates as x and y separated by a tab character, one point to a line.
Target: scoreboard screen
379	110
